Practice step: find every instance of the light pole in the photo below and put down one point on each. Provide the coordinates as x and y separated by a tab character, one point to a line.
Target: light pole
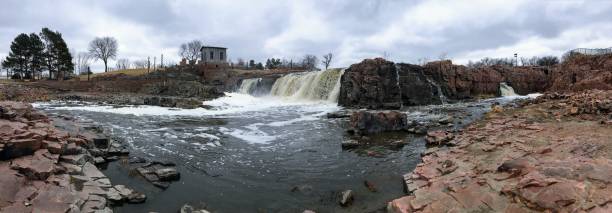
516	59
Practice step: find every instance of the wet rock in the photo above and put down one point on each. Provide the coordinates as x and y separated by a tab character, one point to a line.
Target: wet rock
114	196
446	120
398	143
167	174
159	173
366	122
135	160
186	208
350	144
101	143
339	114
136	197
346	198
99	160
370	186
438	137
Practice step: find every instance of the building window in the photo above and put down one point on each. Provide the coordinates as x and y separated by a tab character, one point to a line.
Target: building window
221	56
212	55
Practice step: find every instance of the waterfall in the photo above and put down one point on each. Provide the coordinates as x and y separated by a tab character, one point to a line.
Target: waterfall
248	86
399	88
506	90
320	85
440	94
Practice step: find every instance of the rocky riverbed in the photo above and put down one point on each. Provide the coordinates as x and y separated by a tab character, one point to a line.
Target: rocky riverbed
50	164
550	154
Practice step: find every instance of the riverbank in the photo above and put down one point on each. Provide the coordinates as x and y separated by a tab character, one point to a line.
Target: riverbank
550	154
53	164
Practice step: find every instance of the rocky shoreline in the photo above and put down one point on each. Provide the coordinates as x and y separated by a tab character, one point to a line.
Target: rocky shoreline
49	164
549	154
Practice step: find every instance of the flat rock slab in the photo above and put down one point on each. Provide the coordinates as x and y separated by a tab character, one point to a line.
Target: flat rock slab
159	173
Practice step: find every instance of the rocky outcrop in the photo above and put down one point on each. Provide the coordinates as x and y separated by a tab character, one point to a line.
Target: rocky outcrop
44	169
416	88
381	84
183	89
521	160
461	82
371	122
583	72
159	174
370	84
134	99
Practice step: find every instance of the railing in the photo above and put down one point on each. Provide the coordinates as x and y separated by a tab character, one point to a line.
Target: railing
597	51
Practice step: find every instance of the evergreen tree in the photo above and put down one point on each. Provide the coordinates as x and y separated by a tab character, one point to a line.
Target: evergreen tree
36	48
57	57
26	56
18	57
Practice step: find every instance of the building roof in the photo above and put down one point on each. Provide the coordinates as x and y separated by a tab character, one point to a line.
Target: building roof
211	47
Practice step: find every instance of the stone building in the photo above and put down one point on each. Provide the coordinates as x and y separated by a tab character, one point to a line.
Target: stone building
214	55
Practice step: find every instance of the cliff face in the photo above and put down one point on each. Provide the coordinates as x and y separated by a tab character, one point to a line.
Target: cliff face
583	72
373	83
370	84
460	82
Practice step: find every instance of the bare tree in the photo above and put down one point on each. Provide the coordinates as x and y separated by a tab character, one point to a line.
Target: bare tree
82	61
548	61
327	58
104	48
443	56
241	63
191	50
309	62
422	61
140	64
123	64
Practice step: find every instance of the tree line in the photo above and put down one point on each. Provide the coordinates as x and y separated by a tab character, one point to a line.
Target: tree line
190	51
32	54
533	61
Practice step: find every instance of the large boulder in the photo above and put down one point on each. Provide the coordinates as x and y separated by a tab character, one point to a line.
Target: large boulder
370	84
372	122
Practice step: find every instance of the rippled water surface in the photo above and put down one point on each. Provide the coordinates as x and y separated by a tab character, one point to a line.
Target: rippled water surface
249	154
255	154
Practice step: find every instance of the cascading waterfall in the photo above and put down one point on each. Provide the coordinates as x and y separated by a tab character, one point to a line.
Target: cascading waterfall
506	90
440	94
249	85
320	85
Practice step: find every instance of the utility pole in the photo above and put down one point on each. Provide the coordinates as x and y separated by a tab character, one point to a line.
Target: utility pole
154	63
161	64
148	64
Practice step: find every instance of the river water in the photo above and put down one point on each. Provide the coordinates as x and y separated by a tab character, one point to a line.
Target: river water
259	154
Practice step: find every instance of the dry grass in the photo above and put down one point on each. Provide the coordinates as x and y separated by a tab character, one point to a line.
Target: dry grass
130	72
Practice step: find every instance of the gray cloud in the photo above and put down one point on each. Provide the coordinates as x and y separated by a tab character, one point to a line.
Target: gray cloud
352	30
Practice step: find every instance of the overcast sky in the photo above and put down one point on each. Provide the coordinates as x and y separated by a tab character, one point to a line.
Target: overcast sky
352	30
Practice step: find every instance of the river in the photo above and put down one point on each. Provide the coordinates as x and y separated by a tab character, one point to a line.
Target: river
269	153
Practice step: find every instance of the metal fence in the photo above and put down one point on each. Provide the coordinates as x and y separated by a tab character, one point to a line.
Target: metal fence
587	51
